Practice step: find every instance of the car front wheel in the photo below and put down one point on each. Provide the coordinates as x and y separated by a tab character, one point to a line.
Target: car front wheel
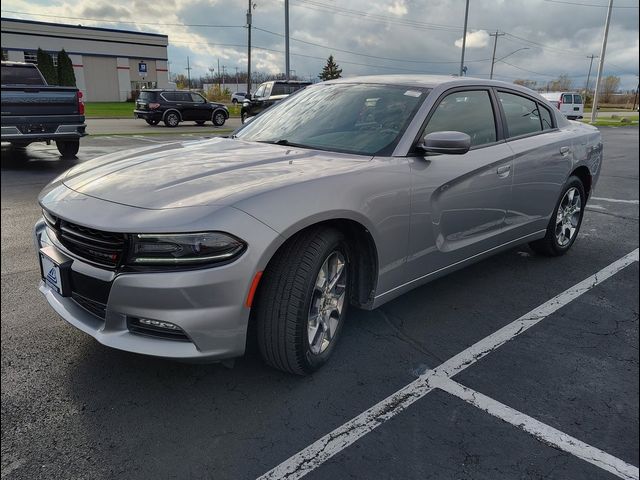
171	119
218	119
565	222
68	148
302	302
152	122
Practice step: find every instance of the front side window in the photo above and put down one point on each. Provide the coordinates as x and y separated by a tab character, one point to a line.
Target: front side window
522	115
197	98
567	98
364	119
260	92
468	112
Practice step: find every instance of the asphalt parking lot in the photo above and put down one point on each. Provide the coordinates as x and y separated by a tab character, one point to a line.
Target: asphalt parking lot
513	368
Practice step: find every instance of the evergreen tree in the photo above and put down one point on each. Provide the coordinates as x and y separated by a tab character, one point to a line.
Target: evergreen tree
45	65
330	71
66	76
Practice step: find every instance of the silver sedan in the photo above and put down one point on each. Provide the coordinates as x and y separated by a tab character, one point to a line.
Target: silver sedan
347	194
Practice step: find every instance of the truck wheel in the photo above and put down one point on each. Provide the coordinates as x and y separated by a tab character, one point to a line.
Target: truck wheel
302	302
243	117
171	119
68	148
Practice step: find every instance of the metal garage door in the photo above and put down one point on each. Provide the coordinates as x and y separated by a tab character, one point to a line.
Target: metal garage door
101	79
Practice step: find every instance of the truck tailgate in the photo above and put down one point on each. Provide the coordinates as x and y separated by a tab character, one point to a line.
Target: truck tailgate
39	101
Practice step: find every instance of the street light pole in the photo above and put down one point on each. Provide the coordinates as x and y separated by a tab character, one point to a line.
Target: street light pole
286	38
464	37
594	111
495	44
188	74
249	48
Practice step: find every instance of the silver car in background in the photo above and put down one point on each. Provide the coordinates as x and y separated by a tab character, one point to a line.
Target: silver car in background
348	193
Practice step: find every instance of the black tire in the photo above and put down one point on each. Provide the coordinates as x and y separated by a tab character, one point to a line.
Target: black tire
243	117
171	119
200	122
218	118
550	245
284	299
152	122
68	148
234	100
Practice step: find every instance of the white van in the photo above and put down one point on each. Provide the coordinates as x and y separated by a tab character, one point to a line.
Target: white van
570	104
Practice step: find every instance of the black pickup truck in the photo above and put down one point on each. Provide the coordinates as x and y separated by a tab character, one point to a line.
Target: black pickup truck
33	111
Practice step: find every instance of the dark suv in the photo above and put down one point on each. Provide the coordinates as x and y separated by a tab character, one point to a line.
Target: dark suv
267	94
175	106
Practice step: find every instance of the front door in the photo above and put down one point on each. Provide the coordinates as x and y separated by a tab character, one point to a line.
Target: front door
459	202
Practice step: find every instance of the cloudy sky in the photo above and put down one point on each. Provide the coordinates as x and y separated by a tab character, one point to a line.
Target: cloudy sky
549	37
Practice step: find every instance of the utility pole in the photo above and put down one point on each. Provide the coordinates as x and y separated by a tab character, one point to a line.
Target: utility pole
188	74
286	38
635	99
236	79
594	110
586	90
249	48
495	44
224	73
219	89
464	37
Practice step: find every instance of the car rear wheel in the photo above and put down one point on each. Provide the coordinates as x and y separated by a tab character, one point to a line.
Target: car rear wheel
565	222
243	117
152	122
68	148
218	119
171	119
302	302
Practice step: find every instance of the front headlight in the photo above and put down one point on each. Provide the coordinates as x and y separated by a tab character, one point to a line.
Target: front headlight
184	248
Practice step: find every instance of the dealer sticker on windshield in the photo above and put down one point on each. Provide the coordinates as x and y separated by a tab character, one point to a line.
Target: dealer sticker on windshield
413	93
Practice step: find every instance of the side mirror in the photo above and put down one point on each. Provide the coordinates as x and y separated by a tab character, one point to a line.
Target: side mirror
452	143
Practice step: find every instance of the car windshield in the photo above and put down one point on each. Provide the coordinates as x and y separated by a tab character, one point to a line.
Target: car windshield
364	119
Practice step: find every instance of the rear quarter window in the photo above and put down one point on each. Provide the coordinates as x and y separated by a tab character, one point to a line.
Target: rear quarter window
522	114
577	99
567	98
545	117
147	96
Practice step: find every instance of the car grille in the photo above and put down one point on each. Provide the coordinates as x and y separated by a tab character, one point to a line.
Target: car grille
96	246
96	308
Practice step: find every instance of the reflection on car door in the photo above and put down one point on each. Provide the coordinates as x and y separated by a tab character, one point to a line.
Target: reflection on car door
542	161
459	202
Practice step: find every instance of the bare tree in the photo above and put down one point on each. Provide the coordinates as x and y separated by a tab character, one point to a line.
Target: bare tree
532	84
610	86
562	83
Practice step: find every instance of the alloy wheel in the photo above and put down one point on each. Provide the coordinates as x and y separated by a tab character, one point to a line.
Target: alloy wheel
568	216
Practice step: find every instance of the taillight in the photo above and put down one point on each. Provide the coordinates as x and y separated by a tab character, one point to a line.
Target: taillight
153	106
558	104
80	103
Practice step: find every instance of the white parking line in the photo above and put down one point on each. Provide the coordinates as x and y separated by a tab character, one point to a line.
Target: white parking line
334	442
615	200
541	431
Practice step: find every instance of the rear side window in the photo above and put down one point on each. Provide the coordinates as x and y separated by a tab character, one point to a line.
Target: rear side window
567	98
147	96
522	115
279	89
469	112
545	117
577	99
21	75
169	96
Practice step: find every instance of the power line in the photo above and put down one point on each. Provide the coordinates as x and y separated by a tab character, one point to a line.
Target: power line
365	54
206	25
588	4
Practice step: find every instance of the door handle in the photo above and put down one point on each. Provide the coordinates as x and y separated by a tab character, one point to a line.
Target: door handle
504	171
565	151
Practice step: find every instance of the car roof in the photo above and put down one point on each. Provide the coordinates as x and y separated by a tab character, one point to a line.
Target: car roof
427	81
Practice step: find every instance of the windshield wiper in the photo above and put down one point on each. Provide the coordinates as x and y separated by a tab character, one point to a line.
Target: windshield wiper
285	142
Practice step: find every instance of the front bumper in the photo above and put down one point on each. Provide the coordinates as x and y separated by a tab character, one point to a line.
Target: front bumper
208	304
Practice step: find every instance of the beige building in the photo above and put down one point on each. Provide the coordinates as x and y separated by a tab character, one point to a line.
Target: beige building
109	64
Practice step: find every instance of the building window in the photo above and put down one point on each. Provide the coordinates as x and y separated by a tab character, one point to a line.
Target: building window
32	57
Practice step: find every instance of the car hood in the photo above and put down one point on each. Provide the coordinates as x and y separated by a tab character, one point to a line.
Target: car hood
210	172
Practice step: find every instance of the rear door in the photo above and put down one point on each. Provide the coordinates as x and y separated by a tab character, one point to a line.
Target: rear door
578	105
459	202
201	109
542	161
566	104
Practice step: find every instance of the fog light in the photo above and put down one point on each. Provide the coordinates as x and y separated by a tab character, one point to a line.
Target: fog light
158	324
